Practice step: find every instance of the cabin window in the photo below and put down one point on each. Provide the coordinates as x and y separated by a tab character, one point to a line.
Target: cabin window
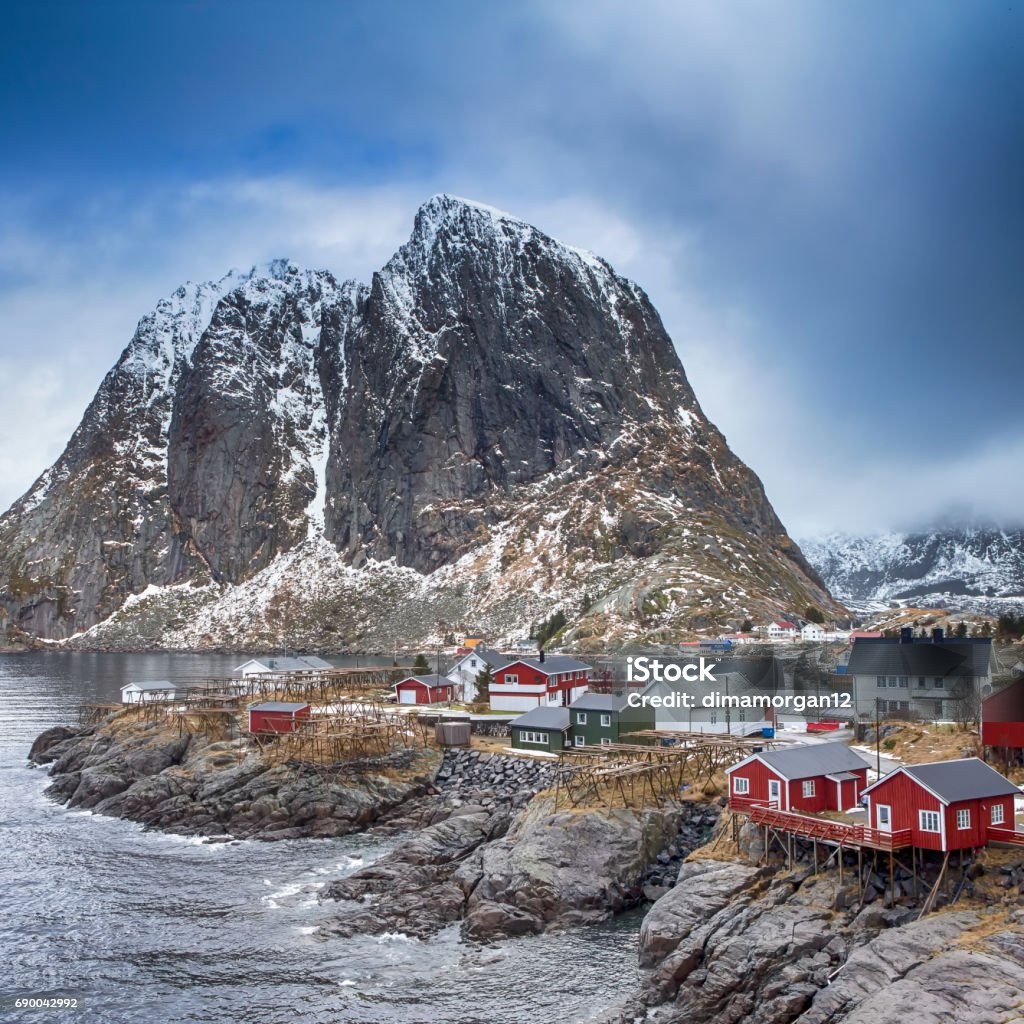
533	737
920	682
581	718
606	720
939	682
808	787
579	741
713	718
929	821
511	678
904	681
740	784
605	741
997	814
880	680
963	818
892	682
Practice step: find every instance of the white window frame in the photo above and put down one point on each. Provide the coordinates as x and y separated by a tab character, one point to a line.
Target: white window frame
512	678
740	785
924	821
606	741
581	718
963	818
883	811
994	818
579	741
808	788
541	739
606	721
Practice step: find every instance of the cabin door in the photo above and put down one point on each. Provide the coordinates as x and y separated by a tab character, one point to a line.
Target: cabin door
884	818
774	793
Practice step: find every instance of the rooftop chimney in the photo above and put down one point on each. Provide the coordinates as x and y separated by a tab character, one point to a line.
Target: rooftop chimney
540	655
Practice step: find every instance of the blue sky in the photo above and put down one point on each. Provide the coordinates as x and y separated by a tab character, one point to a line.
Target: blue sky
825	201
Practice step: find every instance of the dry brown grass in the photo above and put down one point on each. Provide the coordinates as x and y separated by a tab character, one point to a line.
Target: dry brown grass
995	922
916	744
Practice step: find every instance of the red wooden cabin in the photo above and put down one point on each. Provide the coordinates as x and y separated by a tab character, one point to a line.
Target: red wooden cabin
815	777
277	716
947	805
1002	717
424	690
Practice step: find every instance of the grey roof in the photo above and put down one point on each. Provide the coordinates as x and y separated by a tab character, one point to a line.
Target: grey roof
888	656
306	663
813	759
841	776
554	663
152	684
965	779
278	705
543	718
431	681
598	702
493	659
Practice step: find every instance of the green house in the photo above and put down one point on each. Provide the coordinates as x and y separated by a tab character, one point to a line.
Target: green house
542	728
599	719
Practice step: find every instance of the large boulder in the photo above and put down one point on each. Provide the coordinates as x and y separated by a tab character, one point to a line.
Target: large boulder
560	868
411	890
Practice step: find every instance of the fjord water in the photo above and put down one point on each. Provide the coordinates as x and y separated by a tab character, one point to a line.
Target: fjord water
144	927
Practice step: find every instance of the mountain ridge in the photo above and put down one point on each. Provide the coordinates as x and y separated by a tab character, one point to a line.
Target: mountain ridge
978	567
498	413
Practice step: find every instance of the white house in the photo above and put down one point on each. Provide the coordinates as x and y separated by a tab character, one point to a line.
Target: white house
148	690
273	666
464	672
814	633
782	630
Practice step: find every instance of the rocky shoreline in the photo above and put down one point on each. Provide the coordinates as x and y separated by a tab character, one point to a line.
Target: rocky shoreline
483	848
191	785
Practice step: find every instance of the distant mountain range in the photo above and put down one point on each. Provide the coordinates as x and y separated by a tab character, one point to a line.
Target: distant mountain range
495	428
980	568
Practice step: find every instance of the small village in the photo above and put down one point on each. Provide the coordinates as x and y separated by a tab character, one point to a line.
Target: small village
836	791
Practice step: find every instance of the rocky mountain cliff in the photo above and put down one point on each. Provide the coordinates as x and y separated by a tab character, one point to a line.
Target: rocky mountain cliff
497	427
974	567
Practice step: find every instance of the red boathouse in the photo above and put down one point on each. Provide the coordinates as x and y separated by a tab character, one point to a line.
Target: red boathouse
277	716
816	777
424	690
946	805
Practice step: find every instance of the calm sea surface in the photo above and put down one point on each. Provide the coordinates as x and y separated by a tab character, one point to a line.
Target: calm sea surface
142	927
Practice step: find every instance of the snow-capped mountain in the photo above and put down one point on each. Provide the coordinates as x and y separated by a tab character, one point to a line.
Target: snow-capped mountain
496	427
966	567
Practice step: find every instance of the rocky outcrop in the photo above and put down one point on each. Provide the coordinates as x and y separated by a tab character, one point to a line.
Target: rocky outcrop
191	785
555	868
414	435
509	872
944	969
733	942
412	890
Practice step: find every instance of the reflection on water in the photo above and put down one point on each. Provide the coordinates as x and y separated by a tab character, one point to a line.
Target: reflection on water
143	927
